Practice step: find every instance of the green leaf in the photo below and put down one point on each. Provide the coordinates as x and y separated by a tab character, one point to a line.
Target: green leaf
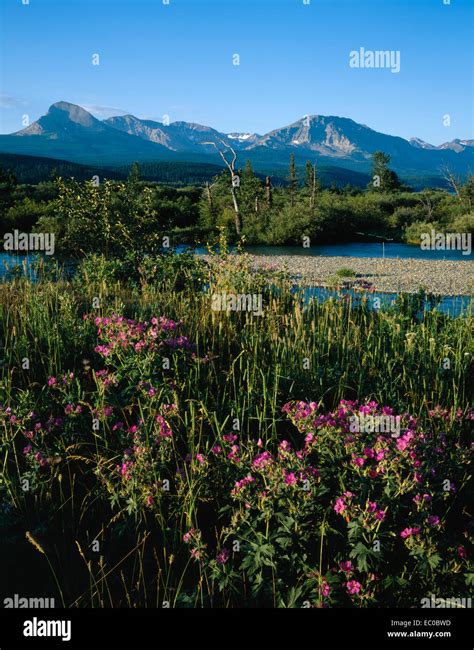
469	579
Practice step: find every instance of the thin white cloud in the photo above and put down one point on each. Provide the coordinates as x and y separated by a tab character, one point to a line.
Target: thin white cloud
103	112
7	101
151	118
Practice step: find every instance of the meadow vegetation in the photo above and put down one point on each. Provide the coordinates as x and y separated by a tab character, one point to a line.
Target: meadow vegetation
155	452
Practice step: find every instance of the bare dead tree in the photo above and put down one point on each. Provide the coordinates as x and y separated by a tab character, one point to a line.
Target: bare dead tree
313	188
210	199
453	181
230	164
268	192
428	206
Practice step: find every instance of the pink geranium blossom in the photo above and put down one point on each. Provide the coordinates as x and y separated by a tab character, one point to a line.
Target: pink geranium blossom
339	506
408	532
353	587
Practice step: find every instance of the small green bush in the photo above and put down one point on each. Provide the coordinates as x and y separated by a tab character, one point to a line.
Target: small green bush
345	272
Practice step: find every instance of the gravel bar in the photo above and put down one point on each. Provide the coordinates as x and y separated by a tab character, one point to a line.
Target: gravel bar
445	277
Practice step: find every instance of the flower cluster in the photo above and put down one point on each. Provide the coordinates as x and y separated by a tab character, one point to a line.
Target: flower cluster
120	333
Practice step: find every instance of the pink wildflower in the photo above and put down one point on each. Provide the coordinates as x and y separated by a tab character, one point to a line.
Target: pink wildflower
339	506
223	556
290	479
353	587
187	536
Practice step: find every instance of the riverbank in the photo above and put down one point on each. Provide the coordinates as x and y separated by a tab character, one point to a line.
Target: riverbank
444	277
408	275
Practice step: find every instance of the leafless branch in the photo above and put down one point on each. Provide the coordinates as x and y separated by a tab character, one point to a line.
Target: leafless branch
452	180
231	167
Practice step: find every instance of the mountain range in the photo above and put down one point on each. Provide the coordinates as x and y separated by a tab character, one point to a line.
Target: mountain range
69	132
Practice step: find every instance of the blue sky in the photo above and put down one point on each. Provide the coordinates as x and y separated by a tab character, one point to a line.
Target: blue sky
177	60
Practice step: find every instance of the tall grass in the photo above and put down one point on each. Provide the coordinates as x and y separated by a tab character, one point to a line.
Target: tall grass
251	366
